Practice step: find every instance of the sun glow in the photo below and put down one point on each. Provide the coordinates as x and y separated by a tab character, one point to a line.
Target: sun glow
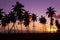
38	27
52	29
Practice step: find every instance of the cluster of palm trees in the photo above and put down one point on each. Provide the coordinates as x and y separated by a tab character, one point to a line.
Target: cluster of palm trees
18	13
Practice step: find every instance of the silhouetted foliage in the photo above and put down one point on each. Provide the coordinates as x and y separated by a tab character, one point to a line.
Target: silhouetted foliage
18	13
57	24
18	6
50	12
1	12
34	17
7	19
42	20
4	22
18	9
26	19
12	18
2	18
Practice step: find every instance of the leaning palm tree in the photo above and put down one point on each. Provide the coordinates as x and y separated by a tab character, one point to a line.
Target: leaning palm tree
34	18
18	9
26	20
50	12
58	25
12	19
43	21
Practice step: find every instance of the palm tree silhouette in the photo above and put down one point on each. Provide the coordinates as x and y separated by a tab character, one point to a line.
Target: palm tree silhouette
26	20
1	12
58	25
4	23
1	17
50	12
7	20
43	21
34	18
18	9
12	18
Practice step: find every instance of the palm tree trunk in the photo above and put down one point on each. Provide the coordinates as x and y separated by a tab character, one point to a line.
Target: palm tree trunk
50	28
44	27
33	27
17	29
27	29
11	28
4	29
21	28
14	29
8	27
50	23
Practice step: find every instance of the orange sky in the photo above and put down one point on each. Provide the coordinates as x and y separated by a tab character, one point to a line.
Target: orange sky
38	27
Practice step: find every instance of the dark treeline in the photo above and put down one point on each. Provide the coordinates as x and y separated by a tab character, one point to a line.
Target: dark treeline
18	13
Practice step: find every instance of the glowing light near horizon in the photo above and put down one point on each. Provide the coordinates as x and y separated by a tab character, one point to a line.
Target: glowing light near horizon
38	27
51	30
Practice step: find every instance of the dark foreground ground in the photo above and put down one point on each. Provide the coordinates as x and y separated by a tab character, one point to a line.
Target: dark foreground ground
28	36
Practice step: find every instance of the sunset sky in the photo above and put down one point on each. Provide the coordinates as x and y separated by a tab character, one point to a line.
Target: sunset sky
34	6
39	7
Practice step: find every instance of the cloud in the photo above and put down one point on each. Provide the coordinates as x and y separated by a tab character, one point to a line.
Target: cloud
57	16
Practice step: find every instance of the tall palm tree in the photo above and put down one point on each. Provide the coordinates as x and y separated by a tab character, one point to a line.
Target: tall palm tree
43	21
34	18
58	25
12	19
26	20
50	12
18	9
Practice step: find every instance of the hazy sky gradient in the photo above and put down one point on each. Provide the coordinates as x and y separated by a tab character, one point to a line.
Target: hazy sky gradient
34	6
39	7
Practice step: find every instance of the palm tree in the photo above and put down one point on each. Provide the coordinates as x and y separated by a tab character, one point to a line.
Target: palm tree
50	12
12	19
58	25
1	12
18	9
34	18
4	23
1	17
43	21
26	20
7	20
